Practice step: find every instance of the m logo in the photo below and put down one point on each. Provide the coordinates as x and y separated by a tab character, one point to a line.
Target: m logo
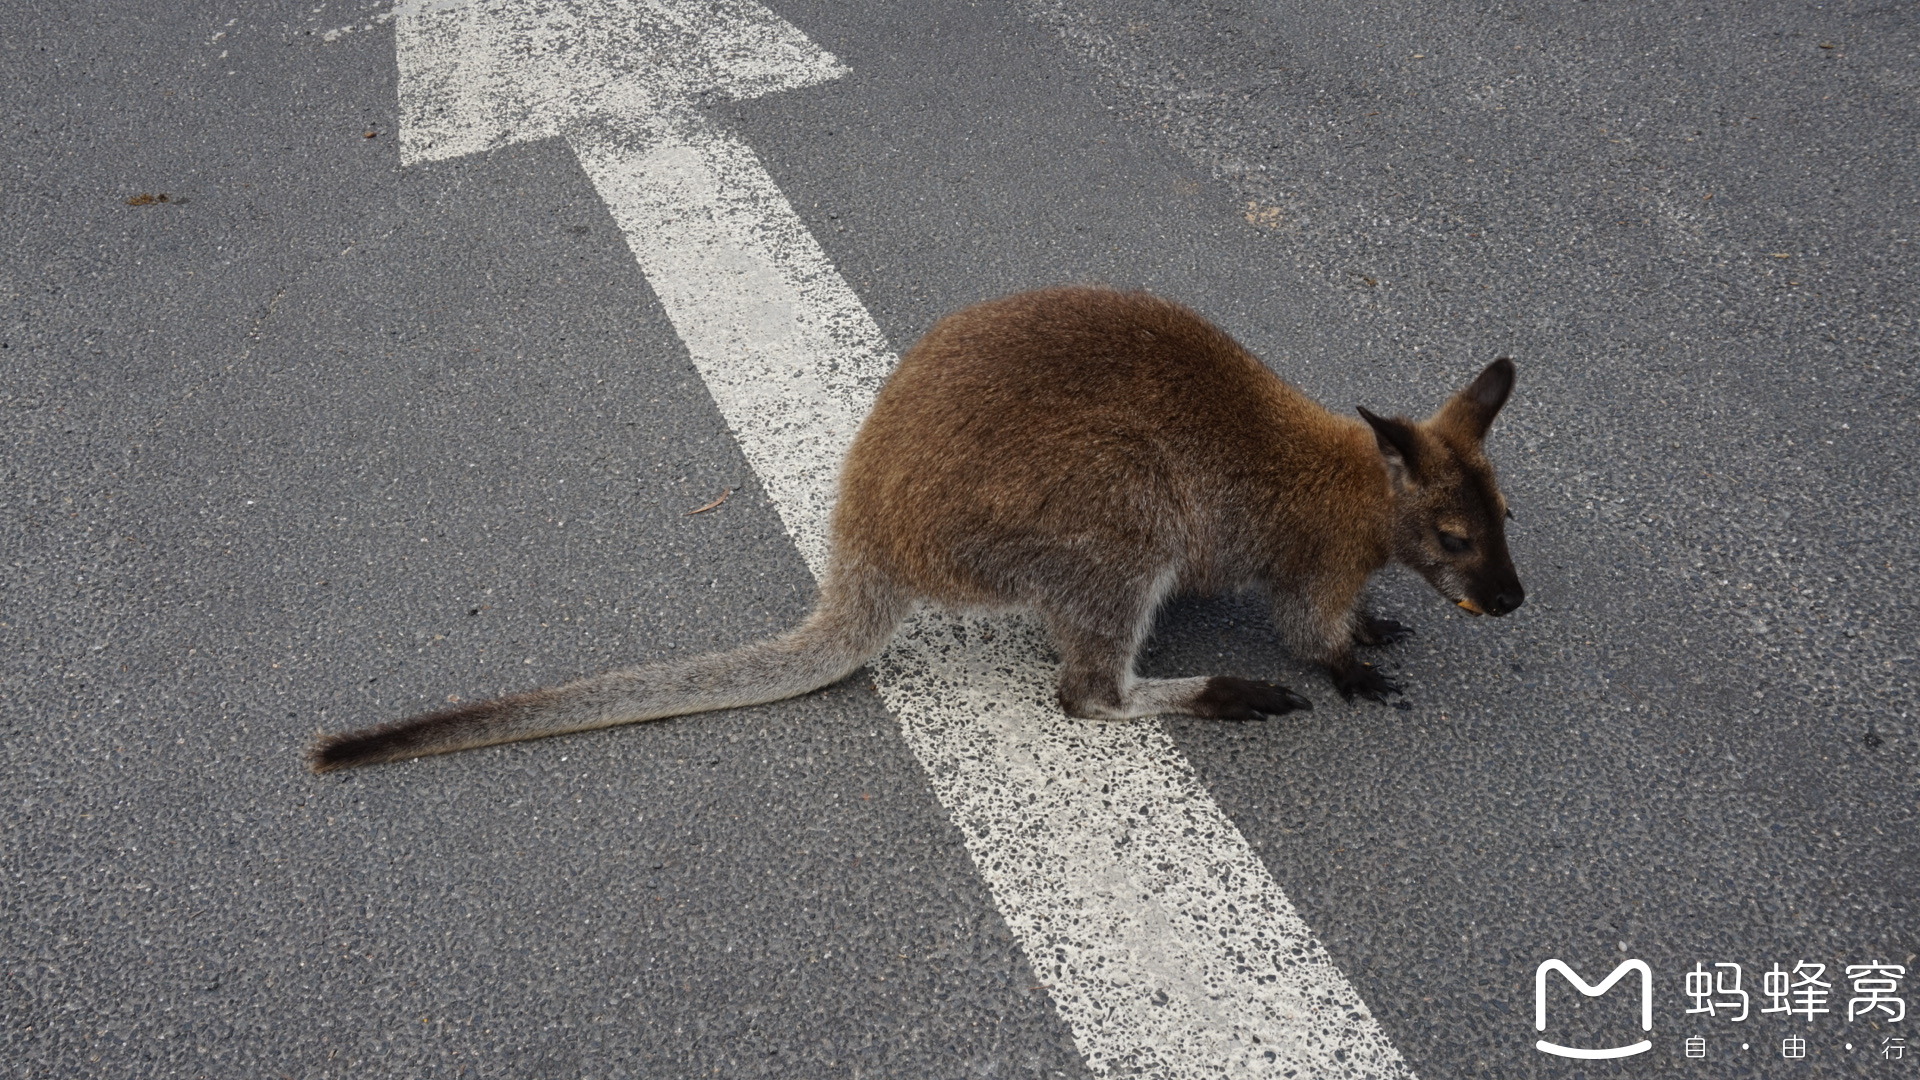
1582	985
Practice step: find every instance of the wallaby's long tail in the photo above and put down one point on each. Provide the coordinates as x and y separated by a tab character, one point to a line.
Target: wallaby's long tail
852	621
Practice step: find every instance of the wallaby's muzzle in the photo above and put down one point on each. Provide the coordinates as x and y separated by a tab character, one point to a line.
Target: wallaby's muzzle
1499	598
1506	600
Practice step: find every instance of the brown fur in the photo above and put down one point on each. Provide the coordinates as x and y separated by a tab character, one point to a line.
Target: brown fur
1085	453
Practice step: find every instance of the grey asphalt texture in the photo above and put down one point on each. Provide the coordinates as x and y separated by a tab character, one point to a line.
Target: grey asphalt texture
318	441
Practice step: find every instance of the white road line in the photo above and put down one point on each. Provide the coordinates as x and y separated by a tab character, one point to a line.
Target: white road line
1168	948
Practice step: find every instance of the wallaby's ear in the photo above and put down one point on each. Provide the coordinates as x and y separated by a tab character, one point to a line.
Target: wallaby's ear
1471	411
1399	444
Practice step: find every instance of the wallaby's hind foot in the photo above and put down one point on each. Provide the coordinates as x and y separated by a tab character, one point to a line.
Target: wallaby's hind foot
1215	697
1230	698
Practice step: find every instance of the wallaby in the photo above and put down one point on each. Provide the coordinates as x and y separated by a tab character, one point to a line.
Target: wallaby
1085	453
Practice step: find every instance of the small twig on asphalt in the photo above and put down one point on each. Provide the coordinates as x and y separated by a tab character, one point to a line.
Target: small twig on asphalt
716	502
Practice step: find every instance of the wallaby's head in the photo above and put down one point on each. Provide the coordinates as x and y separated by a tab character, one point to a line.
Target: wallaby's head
1449	516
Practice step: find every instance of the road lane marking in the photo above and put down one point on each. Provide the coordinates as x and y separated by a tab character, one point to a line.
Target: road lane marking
1167	946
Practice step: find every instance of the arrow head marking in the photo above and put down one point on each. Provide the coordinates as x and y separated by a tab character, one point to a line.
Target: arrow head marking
476	74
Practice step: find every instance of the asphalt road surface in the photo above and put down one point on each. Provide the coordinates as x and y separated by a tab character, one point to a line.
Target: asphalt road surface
300	438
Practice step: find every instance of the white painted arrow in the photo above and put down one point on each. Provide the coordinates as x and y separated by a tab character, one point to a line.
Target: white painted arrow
1169	950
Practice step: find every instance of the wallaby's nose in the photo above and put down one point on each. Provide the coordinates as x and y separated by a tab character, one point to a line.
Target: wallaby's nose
1506	600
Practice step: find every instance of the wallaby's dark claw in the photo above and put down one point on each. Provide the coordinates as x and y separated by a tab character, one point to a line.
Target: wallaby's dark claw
1377	631
1364	680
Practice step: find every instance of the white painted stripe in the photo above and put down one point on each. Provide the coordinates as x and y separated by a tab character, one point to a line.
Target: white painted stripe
787	350
1168	948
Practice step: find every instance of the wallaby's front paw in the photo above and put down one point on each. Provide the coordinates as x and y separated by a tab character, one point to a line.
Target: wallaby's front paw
1364	680
1376	631
1228	698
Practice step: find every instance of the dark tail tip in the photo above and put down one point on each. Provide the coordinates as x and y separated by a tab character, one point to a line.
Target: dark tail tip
351	748
433	733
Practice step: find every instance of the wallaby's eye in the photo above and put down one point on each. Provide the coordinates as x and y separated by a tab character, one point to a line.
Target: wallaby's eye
1455	545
